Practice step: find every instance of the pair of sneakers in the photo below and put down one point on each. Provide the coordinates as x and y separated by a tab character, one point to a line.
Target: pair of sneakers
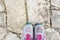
33	33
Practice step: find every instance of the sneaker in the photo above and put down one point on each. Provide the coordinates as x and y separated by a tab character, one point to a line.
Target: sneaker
27	32
39	32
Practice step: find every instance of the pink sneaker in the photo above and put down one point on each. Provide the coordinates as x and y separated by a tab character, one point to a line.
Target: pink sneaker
27	32
39	32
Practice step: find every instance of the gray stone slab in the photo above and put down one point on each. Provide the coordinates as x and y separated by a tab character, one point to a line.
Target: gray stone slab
2	33
51	34
54	7
55	3
11	36
2	19
58	30
1	9
38	11
16	17
55	18
2	5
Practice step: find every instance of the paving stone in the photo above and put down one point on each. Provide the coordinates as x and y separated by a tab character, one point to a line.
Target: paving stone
16	17
2	33
55	3
57	29
38	11
2	19
54	7
1	8
11	36
56	18
51	34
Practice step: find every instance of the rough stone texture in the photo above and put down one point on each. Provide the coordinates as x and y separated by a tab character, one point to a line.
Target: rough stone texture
57	29
16	17
1	9
54	7
1	6
55	3
38	11
32	8
56	18
2	33
52	34
11	36
2	19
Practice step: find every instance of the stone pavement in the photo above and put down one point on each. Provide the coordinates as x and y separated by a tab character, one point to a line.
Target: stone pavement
13	17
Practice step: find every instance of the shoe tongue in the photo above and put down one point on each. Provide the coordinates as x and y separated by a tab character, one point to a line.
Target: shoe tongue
28	37
39	37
